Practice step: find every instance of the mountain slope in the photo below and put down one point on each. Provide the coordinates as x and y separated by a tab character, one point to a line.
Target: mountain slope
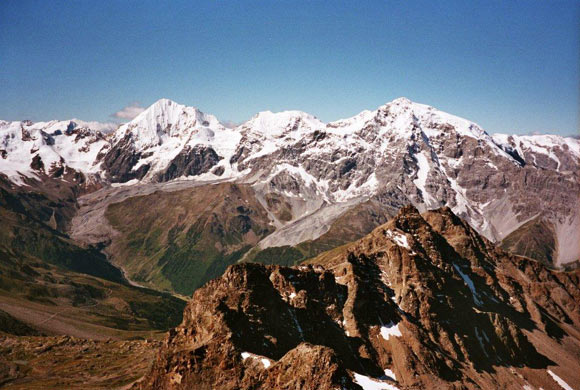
54	286
37	150
423	301
186	237
535	239
32	226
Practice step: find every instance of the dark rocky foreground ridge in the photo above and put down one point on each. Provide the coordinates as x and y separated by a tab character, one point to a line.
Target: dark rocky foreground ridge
423	301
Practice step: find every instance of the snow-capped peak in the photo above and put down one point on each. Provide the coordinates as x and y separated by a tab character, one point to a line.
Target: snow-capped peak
401	116
165	119
53	145
276	124
432	119
401	101
165	131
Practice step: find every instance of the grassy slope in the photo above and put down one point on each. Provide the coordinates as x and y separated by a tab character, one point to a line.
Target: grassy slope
33	222
63	362
54	300
535	239
52	285
176	241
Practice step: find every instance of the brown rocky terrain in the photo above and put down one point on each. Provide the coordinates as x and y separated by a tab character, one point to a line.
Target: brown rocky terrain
65	362
421	302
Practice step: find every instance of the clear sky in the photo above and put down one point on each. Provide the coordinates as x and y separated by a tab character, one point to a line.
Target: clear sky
511	66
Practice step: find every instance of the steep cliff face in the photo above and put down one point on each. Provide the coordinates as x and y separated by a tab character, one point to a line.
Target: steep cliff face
423	301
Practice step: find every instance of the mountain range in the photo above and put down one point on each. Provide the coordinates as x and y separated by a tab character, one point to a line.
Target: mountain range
310	185
401	248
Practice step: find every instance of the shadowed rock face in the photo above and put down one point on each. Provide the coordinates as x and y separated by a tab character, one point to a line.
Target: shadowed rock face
423	296
120	159
190	162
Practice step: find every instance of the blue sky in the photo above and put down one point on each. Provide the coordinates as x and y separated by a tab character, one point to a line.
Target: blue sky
511	66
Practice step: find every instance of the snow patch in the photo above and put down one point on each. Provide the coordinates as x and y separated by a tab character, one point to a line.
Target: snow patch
560	381
390	374
469	284
390	330
421	180
126	184
368	383
399	238
265	361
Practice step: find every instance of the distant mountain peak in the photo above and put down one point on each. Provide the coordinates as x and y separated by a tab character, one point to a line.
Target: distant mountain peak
165	118
401	100
275	124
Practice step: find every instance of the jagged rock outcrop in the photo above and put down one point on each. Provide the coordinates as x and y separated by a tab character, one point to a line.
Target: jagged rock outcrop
423	301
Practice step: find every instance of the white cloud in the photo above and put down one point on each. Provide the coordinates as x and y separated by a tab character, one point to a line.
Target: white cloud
129	112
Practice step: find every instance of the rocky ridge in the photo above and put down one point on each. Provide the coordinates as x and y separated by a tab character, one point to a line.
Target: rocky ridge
423	301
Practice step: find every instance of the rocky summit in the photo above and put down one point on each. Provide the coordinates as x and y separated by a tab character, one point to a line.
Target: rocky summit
422	302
